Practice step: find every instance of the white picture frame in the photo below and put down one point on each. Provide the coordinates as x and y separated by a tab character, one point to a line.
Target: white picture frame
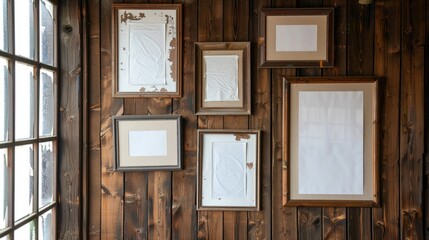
147	50
228	170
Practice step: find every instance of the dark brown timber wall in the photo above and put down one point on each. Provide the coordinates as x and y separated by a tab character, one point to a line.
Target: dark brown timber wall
386	38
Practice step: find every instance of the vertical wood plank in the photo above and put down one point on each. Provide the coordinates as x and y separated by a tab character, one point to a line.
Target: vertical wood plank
210	28
334	219
136	187
236	28
112	183
387	62
70	178
184	214
360	61
94	160
411	118
284	219
259	223
309	218
426	138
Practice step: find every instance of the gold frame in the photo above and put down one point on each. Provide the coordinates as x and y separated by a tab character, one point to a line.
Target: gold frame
370	88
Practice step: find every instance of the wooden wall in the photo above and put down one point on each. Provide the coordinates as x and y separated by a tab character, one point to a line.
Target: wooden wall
386	39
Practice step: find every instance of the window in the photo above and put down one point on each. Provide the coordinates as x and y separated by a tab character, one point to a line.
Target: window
28	119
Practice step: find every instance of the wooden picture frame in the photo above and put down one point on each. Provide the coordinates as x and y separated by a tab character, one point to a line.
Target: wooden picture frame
331	141
147	142
147	50
228	170
222	78
297	38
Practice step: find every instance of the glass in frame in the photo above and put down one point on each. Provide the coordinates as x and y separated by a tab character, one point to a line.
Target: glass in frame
47	103
4	99
26	232
4	188
46	230
25	28
47	32
24	101
4	23
24	181
46	173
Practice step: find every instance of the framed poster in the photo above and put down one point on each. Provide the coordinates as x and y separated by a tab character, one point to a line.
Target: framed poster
228	170
143	142
147	42
331	141
222	78
297	38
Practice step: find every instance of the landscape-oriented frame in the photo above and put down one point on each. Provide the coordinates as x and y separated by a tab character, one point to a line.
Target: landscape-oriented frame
207	171
293	87
147	142
314	46
238	106
147	50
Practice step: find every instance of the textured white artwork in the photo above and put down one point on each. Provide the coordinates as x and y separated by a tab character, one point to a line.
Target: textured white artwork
221	77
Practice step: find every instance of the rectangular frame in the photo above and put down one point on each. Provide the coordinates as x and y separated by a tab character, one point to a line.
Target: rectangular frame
236	153
346	110
162	134
235	103
312	46
147	50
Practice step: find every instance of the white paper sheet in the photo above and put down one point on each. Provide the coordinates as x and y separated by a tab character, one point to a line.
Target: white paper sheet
221	78
330	142
147	143
147	54
229	170
296	38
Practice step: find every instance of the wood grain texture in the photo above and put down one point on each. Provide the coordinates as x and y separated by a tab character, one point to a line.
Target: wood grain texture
259	222
284	219
360	62
112	183
70	166
411	119
387	63
184	214
94	159
335	219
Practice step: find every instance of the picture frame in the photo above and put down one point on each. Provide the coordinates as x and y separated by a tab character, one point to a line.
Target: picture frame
147	50
297	38
228	170
331	141
147	142
222	78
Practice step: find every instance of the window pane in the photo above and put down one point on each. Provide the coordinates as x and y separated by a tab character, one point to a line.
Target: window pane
24	28
46	232
26	232
47	32
4	100
24	180
46	173
4	189
3	23
5	238
24	101
46	103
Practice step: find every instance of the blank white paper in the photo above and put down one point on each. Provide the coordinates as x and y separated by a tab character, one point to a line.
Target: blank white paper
229	170
296	38
221	78
147	54
330	135
147	143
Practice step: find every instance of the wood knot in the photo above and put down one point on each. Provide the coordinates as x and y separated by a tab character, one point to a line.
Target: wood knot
68	29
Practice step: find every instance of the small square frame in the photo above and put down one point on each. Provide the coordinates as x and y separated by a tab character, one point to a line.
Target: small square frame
139	29
360	106
236	102
162	135
228	170
297	38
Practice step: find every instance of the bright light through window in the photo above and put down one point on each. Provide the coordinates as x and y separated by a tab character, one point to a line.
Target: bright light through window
28	119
